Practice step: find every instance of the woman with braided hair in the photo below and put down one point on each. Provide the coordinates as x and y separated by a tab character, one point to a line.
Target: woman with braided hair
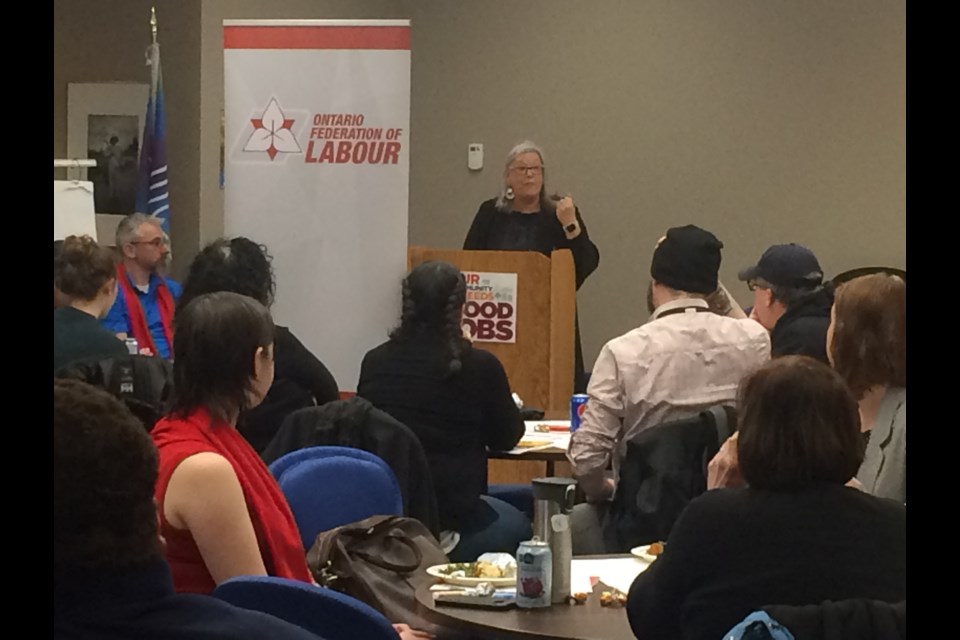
457	400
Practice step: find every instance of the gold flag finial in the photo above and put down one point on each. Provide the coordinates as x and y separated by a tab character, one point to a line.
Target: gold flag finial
153	23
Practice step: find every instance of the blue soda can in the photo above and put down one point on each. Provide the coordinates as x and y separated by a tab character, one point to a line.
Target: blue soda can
534	574
578	404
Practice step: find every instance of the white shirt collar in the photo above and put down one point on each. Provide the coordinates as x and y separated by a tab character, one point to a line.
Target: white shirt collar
690	303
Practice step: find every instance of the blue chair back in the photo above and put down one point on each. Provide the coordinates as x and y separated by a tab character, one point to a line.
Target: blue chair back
281	464
327	613
327	487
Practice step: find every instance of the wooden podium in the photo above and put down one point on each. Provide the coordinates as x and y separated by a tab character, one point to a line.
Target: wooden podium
540	363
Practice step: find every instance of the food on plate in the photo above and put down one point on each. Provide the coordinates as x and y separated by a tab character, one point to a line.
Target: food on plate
488	570
580	598
615	598
479	569
529	444
655	549
542	428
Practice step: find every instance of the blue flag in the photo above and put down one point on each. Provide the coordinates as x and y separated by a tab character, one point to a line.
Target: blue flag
152	193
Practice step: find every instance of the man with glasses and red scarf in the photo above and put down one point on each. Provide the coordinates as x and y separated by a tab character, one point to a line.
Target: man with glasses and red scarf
146	298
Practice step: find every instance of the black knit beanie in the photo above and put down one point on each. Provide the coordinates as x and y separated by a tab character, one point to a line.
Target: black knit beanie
687	259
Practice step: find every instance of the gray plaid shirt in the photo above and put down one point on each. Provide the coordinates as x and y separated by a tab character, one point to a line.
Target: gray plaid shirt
682	361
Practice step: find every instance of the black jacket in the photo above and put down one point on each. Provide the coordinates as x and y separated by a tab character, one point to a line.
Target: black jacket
356	423
733	551
858	619
456	417
802	330
665	467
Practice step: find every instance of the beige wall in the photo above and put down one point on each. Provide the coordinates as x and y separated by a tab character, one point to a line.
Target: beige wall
105	41
763	120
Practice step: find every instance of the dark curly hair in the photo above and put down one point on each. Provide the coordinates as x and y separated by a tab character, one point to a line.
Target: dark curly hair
433	296
239	265
104	472
83	267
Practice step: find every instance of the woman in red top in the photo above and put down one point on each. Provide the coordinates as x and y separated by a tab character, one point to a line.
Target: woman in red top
221	512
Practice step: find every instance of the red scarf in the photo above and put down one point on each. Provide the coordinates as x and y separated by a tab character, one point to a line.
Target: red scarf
273	522
138	319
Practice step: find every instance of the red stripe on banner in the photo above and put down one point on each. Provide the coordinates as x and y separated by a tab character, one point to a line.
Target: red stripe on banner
319	37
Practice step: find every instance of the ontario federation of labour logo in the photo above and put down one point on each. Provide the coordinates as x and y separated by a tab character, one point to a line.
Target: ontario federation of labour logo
272	132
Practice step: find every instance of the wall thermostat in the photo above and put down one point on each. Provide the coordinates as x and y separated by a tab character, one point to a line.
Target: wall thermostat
475	156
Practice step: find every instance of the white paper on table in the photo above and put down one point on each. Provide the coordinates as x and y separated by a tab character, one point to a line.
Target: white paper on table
530	426
619	573
73	212
545	439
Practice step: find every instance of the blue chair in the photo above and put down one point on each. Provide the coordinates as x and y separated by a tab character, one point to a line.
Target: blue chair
327	613
327	487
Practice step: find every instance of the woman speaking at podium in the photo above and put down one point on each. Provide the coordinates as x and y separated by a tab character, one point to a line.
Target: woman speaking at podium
524	218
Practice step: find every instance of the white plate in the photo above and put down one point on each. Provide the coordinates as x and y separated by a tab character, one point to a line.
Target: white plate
435	571
642	553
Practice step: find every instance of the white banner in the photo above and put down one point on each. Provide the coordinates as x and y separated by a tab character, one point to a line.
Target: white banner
490	312
316	158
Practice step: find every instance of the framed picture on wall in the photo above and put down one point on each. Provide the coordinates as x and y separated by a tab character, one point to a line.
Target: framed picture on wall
105	123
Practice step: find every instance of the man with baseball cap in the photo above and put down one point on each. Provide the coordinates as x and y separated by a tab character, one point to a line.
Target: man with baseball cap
791	300
684	360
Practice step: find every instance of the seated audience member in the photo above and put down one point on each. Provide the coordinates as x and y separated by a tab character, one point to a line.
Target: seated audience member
145	304
791	300
796	535
109	577
867	345
243	266
86	274
457	400
682	361
60	299
221	512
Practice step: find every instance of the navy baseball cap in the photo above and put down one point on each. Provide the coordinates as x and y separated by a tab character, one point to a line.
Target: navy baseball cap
786	265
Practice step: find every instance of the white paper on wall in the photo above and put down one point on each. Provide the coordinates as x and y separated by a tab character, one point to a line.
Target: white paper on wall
73	212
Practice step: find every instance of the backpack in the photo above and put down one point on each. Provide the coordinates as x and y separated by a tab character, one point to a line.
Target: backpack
665	467
143	383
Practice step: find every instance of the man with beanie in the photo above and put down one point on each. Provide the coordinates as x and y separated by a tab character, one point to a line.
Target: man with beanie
684	360
791	300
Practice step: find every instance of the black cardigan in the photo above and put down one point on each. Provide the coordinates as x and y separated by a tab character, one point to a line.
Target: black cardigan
513	231
494	230
733	551
456	417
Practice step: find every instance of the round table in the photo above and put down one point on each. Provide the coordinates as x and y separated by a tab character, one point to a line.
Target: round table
561	621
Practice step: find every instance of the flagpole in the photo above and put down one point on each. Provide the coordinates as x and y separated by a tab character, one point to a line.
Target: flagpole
152	191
